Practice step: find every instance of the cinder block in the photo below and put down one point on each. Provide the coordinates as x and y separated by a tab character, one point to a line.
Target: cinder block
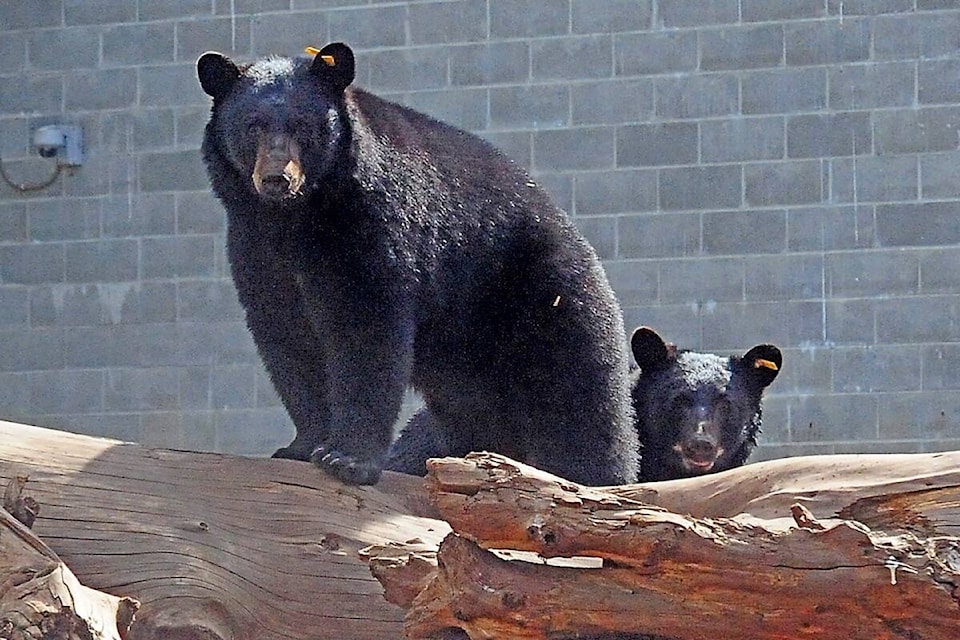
636	283
34	263
876	369
529	107
612	102
566	149
874	179
701	281
138	214
899	225
199	212
23	95
784	91
138	44
611	16
464	108
14	307
868	7
13	222
806	370
727	326
916	35
655	145
767	11
783	183
517	145
69	48
835	134
680	13
850	321
208	300
171	85
67	391
286	34
180	9
601	233
740	139
659	235
872	86
101	260
697	96
97	90
819	42
489	64
743	47
783	277
605	192
178	257
940	370
829	228
916	130
230	36
62	219
677	323
442	22
918	319
645	53
560	188
701	187
744	231
834	417
172	171
369	27
938	270
98	12
529	18
572	58
407	69
142	389
233	387
935	81
930	415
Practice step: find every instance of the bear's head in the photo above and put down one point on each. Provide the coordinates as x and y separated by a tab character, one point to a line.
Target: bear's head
279	123
697	412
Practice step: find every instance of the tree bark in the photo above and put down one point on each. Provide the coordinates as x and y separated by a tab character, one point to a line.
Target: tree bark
221	547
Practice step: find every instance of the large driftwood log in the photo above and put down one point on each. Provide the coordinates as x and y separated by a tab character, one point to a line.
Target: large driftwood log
215	547
220	547
40	598
669	574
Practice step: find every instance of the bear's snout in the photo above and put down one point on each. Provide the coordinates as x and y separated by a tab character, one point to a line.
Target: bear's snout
278	172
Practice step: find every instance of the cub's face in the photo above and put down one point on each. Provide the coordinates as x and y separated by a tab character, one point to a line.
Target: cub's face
697	412
279	123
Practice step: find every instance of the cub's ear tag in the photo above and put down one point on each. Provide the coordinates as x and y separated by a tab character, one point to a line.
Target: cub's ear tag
766	364
328	60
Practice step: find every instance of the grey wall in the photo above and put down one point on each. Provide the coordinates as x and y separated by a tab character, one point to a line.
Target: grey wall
750	171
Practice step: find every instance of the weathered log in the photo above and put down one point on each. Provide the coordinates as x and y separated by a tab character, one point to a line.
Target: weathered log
668	574
219	546
40	598
215	547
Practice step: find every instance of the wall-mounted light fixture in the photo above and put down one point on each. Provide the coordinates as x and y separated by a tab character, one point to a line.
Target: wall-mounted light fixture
61	141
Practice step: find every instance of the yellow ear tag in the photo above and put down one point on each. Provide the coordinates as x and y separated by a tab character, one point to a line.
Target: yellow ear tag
313	51
766	364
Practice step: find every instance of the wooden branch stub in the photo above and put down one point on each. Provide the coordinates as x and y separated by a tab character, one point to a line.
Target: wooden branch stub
40	598
667	574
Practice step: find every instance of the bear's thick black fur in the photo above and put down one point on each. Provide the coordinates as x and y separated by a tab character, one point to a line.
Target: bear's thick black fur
374	248
697	412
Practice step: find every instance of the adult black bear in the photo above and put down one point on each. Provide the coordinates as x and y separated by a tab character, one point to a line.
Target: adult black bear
697	412
374	248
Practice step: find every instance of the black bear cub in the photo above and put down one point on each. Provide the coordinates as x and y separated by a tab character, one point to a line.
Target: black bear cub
374	248
697	412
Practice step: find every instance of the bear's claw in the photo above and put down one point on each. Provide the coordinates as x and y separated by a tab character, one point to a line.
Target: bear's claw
345	467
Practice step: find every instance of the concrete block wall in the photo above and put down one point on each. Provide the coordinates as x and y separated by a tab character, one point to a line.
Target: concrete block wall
749	170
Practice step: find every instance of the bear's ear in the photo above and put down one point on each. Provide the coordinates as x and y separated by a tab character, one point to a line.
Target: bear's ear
649	349
217	74
334	64
762	363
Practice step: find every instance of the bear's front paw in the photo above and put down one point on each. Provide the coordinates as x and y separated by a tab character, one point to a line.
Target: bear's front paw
345	467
